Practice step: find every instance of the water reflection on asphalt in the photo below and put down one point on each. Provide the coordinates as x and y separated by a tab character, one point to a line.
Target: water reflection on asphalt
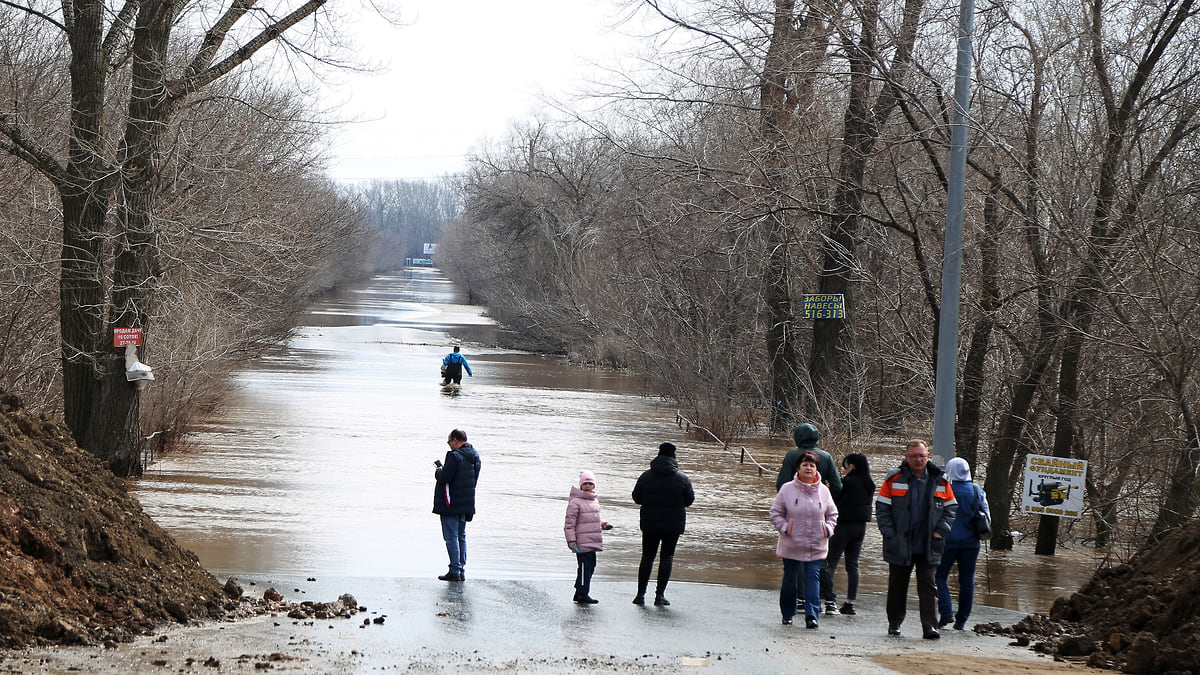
321	462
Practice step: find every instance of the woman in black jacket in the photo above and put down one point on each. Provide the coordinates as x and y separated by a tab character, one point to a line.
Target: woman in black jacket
663	492
854	512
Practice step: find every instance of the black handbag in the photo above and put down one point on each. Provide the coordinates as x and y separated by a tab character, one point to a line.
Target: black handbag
982	523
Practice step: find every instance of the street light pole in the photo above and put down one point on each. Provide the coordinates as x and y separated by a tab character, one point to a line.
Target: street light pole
947	359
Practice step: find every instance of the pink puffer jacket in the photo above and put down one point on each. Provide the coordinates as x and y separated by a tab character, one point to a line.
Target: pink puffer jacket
804	515
583	525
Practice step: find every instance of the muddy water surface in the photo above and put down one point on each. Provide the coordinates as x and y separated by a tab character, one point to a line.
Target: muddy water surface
321	462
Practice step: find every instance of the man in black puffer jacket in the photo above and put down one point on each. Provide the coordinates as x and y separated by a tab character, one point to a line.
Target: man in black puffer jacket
454	500
664	493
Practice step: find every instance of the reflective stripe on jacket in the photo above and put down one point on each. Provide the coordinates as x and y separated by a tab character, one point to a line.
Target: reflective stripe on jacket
893	513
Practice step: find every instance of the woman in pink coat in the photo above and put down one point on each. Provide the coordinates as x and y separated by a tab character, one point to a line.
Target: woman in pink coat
805	516
584	528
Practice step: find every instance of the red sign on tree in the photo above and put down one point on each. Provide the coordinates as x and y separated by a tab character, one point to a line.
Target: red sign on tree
123	337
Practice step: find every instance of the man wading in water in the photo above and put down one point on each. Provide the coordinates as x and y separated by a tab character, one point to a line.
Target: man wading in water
452	368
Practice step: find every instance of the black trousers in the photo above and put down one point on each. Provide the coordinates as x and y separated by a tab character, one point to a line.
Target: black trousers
897	597
664	546
586	566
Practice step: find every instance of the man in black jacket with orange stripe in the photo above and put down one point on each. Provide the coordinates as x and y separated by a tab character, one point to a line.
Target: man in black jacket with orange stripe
915	510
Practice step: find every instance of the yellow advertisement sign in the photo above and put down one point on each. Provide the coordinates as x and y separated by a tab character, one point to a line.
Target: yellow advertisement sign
1053	486
823	306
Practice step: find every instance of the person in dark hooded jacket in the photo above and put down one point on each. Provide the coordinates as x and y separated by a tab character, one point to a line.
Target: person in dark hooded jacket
454	499
663	493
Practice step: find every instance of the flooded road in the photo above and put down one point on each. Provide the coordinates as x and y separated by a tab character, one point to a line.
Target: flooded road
321	462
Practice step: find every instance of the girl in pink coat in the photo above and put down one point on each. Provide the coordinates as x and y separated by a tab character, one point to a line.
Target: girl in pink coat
805	516
583	529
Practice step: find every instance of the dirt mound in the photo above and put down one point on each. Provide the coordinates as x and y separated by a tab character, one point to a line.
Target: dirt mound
80	563
1140	617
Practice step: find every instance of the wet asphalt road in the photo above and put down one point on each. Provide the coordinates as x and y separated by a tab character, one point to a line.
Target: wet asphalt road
485	625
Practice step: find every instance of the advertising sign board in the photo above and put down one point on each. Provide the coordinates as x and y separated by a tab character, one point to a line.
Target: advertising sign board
124	337
823	306
1053	486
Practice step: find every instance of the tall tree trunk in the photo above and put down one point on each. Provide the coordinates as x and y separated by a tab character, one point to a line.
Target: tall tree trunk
775	125
1011	433
1110	221
118	432
966	429
1011	430
85	188
1068	404
830	365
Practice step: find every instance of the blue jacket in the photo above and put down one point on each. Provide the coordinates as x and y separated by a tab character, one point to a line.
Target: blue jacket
454	360
971	499
454	493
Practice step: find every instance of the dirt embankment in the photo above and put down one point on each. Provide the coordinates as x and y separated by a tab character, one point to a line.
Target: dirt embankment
1140	617
81	563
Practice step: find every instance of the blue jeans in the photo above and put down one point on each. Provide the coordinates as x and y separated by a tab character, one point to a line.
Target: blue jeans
454	532
793	570
966	555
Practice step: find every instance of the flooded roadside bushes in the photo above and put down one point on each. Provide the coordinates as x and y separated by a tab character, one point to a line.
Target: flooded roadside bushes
248	230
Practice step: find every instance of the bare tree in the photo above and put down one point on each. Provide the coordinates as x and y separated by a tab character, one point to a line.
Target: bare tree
108	184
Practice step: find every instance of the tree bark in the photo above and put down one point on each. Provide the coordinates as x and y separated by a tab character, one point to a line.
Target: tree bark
966	429
775	123
85	188
830	365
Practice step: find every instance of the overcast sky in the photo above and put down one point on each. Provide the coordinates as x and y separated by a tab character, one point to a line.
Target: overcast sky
461	72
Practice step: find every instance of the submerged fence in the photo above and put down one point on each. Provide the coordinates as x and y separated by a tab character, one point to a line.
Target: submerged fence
687	425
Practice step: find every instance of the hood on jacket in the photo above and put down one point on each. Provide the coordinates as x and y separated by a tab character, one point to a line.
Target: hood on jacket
806	436
664	464
958	469
808	486
468	452
579	493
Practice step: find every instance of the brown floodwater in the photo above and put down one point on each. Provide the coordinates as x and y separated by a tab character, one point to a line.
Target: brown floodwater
320	462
